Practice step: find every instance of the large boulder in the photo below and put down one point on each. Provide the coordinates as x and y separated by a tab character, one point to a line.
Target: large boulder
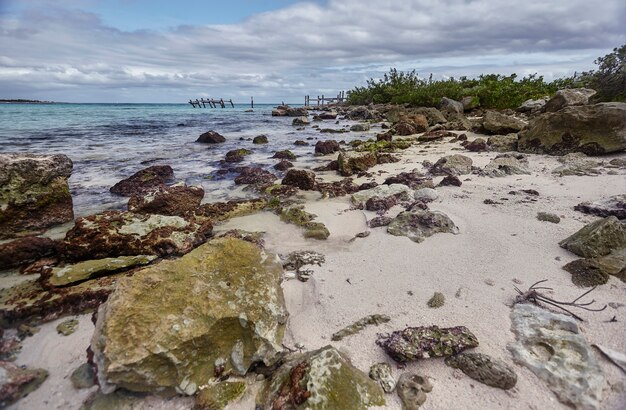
143	180
326	147
450	105
350	163
167	200
419	224
300	178
569	97
497	123
532	106
34	193
598	238
323	379
211	137
452	165
117	233
179	323
593	129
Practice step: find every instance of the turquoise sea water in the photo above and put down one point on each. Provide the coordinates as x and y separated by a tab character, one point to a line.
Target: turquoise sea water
109	142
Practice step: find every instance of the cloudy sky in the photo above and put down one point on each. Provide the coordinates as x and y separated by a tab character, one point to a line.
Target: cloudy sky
169	51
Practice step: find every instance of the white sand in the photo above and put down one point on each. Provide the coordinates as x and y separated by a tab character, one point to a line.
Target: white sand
497	244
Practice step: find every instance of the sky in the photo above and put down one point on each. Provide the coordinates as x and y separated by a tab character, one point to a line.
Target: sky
282	50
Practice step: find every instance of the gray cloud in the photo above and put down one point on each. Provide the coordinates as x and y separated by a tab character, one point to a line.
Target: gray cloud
68	54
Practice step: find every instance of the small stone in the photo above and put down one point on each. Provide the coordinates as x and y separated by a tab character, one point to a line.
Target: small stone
450	180
359	325
67	327
412	389
548	217
490	282
380	221
485	369
437	300
381	372
84	376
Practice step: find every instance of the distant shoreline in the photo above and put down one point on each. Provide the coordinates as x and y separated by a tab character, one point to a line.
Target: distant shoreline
20	101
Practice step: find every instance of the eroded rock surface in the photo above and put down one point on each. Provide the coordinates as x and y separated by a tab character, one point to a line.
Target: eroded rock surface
412	389
452	165
419	224
598	238
143	180
611	206
485	369
167	200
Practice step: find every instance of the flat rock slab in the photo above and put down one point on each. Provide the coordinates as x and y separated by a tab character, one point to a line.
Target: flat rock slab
553	348
611	206
79	272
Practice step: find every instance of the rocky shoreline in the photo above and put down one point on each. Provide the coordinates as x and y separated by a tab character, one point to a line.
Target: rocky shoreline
385	272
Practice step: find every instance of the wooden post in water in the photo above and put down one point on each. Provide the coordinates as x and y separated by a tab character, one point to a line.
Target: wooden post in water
251	102
192	104
231	103
222	102
202	100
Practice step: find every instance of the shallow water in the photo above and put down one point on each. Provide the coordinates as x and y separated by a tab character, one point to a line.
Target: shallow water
109	142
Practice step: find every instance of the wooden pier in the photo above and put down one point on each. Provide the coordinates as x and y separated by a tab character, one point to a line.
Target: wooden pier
202	103
341	97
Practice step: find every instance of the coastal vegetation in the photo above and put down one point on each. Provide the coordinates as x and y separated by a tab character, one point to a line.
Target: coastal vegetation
492	90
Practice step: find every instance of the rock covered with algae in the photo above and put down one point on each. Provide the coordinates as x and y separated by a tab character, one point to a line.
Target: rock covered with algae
169	325
319	380
359	325
485	369
423	342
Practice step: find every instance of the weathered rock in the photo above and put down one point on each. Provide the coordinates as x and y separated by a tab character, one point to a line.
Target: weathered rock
417	225
577	164
260	139
426	194
437	300
326	147
412	389
361	127
405	128
350	163
81	271
469	103
380	221
437	135
485	369
592	129
166	326
553	348
287	111
221	211
301	143
167	200
598	238
296	215
548	217
211	137
596	271
337	188
452	165
67	327
34	193
380	191
116	233
383	204
413	180
296	260
300	121
84	376
218	396
359	325
327	115
507	164
320	380
498	123
236	155
449	105
17	382
25	250
283	165
532	106
569	97
300	178
503	143
255	176
424	342
457	121
450	180
360	113
611	206
433	115
477	145
381	373
284	154
143	180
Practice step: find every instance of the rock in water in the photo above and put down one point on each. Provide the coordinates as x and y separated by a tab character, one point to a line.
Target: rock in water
485	369
552	347
598	238
614	205
423	342
116	233
34	193
320	380
412	389
211	137
174	325
417	225
167	200
381	372
17	382
143	180
592	129
326	147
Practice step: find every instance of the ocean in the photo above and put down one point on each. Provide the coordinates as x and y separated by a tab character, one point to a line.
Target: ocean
109	142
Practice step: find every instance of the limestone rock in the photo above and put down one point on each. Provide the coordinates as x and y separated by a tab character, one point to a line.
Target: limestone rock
598	238
67	327
300	178
450	105
596	271
470	102
380	221
221	211
116	233
17	382
450	180
412	389
569	97
452	165
433	115
167	200
485	369
218	396
426	194
437	300
296	215
283	165
211	137
507	164
326	147
381	372
287	111
34	193
498	123
236	155
166	326
577	164
503	143
592	129
360	113
458	121
143	180
352	162
381	191
553	348
25	250
532	106
81	271
414	343
320	380
614	205
300	121
548	217
83	377
417	225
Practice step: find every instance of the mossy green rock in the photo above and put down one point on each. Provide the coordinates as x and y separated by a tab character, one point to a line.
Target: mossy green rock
67	327
320	380
217	396
598	238
79	272
350	163
165	327
296	215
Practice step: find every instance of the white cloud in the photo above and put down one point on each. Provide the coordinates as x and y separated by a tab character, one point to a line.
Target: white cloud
68	54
